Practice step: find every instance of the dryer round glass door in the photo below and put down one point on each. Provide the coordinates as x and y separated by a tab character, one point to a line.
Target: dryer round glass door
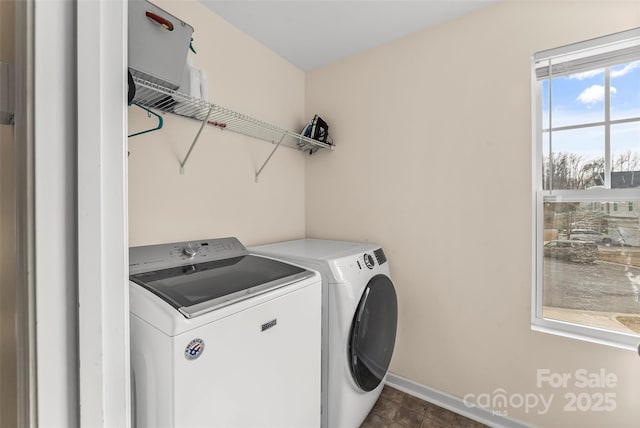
373	333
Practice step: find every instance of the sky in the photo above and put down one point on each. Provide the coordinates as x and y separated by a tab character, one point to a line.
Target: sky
579	99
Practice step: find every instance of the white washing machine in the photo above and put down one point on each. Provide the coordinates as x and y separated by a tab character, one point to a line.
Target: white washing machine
223	338
359	322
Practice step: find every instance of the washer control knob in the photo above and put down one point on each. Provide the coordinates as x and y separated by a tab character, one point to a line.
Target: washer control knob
189	251
368	260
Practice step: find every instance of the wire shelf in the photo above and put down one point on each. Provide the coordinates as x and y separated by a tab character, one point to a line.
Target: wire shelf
159	98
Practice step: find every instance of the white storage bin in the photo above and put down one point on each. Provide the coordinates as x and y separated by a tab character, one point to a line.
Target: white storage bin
158	44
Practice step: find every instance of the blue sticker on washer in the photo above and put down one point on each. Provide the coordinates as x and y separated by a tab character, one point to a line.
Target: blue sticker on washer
194	349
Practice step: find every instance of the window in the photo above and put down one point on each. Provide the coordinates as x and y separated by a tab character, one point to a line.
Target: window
586	117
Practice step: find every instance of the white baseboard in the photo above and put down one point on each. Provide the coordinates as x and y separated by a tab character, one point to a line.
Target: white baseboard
452	403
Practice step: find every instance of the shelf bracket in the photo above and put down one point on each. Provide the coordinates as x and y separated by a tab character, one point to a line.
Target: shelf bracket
195	140
269	158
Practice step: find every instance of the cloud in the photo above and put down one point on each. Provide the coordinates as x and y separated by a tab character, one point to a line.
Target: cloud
594	94
626	69
614	73
586	74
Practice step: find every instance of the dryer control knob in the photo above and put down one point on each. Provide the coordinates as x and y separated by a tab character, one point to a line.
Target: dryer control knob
189	251
368	260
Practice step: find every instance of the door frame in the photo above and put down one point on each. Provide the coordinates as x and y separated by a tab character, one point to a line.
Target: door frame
72	257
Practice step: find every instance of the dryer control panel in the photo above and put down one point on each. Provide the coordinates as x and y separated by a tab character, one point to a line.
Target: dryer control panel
365	263
380	256
369	260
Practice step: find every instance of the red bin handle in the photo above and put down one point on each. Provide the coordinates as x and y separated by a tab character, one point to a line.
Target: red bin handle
165	23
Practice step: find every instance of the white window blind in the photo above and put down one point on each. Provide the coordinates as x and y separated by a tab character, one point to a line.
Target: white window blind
591	54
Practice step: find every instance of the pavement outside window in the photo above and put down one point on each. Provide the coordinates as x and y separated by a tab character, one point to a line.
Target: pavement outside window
603	294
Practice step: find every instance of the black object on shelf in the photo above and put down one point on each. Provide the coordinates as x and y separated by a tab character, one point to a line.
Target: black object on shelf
132	88
317	130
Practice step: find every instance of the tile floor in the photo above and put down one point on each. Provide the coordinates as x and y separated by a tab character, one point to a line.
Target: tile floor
395	409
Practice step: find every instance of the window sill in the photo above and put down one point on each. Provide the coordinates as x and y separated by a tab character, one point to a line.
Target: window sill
586	334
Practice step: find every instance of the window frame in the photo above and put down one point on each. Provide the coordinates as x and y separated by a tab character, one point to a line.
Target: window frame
540	195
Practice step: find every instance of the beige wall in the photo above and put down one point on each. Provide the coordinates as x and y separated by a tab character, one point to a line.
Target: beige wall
7	240
217	195
433	161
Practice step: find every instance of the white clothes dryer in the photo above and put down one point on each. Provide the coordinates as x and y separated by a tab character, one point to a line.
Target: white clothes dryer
359	320
223	338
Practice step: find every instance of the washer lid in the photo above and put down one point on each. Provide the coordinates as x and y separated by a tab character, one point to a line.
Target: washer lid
202	287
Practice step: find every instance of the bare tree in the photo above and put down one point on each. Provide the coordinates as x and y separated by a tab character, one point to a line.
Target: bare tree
571	171
626	161
589	172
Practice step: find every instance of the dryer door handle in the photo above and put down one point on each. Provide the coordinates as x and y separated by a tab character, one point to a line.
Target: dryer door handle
363	304
355	333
